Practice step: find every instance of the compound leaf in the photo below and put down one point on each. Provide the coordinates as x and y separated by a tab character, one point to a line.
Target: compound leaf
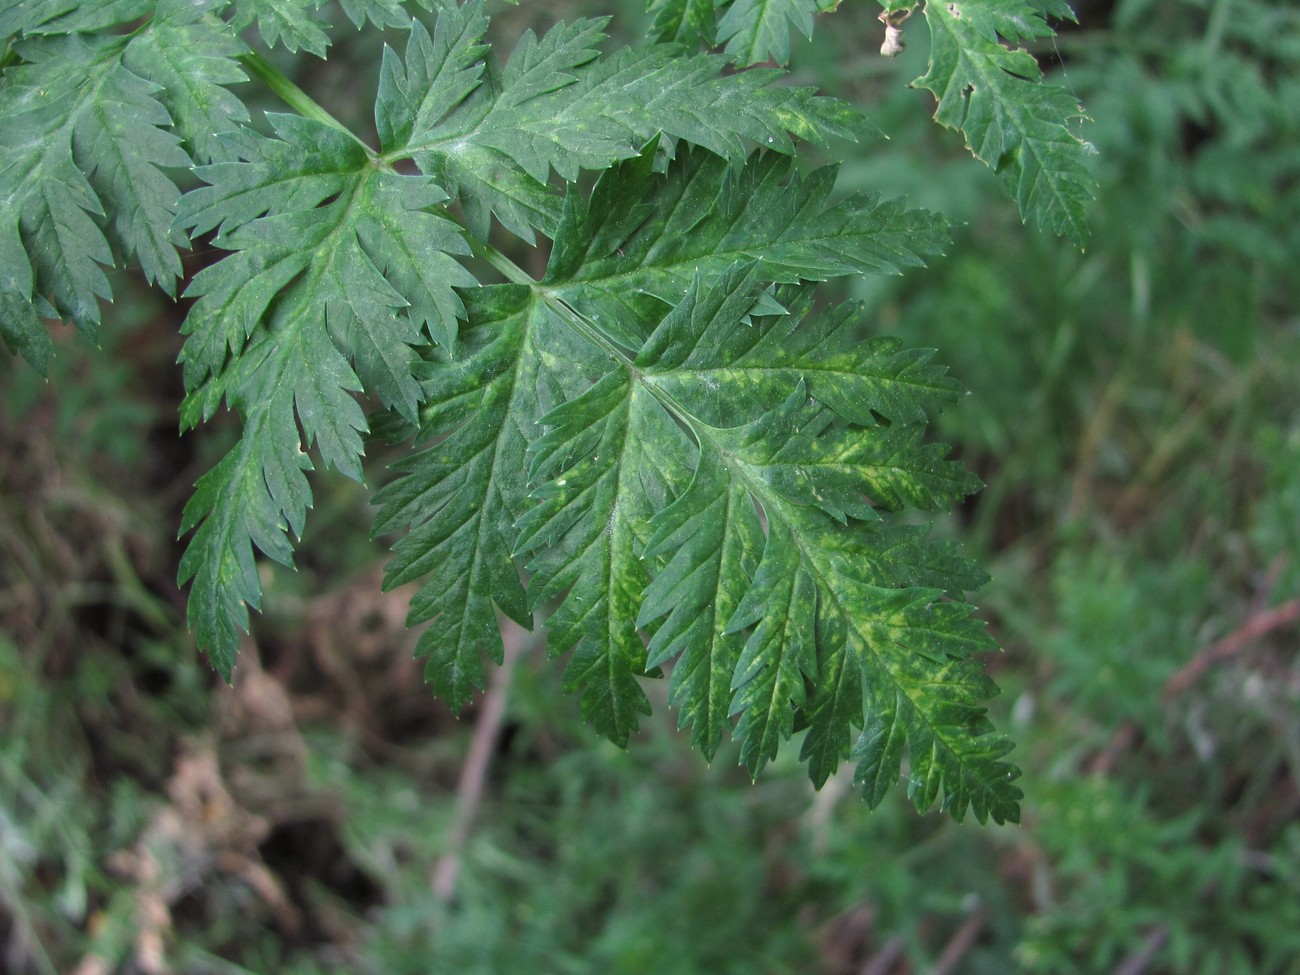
693	471
710	539
811	472
759	30
305	164
86	143
779	660
824	485
319	293
462	495
581	535
121	141
190	55
493	135
1013	122
638	243
378	245
821	609
708	487
251	498
692	23
292	23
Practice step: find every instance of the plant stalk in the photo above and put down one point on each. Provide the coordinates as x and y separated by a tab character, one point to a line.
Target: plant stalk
295	97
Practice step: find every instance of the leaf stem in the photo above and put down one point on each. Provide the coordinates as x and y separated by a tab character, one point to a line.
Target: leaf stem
573	318
295	97
305	105
508	268
589	331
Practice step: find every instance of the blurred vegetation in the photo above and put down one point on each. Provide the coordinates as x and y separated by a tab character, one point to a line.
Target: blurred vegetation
1136	415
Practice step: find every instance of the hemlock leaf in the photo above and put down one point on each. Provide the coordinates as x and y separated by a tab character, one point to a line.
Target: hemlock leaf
327	292
863	379
779	661
375	247
753	30
493	135
305	163
122	141
758	30
1013	122
86	142
598	467
85	18
808	471
463	494
692	469
710	537
287	22
466	499
190	54
659	525
641	239
256	493
412	247
692	23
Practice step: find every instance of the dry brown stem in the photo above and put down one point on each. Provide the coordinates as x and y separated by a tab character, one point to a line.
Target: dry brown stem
469	790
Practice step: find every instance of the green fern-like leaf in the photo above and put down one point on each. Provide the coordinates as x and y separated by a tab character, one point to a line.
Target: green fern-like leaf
593	434
463	494
1012	121
658	446
692	23
293	23
752	31
87	144
630	250
759	30
321	297
493	135
327	239
97	124
190	55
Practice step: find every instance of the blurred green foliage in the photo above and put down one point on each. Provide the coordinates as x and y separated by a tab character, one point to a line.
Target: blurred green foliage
1136	415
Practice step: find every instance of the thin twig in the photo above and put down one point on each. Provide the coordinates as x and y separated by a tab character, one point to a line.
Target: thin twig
469	790
882	962
1121	740
962	940
1142	957
1234	643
